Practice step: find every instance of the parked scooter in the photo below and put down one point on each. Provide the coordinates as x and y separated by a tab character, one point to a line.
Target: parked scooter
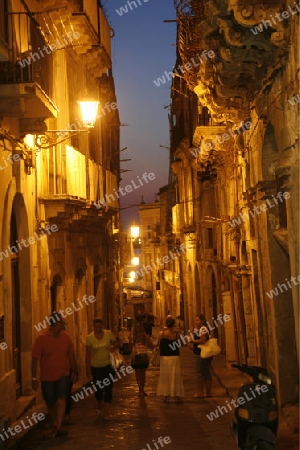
256	416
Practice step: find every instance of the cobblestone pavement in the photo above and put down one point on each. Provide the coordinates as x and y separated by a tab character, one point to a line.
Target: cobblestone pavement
135	423
138	423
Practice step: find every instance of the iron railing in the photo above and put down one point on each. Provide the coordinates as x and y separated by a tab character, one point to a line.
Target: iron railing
28	61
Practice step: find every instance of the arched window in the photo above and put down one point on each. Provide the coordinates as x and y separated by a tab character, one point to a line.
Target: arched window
54	289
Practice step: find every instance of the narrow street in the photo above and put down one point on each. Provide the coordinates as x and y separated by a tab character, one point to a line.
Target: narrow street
149	178
135	423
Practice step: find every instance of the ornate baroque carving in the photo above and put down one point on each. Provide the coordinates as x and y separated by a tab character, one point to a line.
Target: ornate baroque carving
247	51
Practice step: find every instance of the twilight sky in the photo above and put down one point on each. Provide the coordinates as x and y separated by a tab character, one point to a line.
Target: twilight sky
142	50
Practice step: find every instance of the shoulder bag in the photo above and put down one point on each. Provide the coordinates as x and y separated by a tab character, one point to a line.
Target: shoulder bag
116	359
210	348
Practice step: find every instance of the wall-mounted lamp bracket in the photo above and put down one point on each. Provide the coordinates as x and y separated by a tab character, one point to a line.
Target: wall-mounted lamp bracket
52	138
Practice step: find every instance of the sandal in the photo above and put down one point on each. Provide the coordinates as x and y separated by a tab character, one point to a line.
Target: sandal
60	432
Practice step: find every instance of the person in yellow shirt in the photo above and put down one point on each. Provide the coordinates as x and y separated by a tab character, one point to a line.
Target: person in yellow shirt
99	344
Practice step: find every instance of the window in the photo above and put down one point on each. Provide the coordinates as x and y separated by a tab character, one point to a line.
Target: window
209	241
3	21
280	184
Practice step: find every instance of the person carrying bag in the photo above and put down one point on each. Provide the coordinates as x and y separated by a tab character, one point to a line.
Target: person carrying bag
140	358
205	376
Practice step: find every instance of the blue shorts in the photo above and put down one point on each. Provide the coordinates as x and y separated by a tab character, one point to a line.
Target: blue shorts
53	390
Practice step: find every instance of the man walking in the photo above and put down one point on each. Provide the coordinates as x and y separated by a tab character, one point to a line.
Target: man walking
54	349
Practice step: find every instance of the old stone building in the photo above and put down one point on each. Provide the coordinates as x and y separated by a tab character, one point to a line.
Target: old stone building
235	156
58	248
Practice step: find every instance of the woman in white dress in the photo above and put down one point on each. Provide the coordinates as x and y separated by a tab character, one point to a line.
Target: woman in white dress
170	381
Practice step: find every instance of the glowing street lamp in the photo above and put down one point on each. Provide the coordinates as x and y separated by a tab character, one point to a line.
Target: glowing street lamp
89	109
132	276
51	138
134	231
135	261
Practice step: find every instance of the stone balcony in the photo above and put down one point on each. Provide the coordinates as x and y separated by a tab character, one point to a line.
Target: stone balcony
26	100
80	184
83	25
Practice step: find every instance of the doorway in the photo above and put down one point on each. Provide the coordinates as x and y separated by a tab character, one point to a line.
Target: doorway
16	304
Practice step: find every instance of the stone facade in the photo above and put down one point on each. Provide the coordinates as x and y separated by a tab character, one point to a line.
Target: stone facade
235	156
58	243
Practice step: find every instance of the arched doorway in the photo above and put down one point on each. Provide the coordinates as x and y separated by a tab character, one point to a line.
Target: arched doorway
80	317
56	293
16	304
20	276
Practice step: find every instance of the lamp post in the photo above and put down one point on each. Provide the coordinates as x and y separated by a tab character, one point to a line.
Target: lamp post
134	234
133	260
51	138
134	231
